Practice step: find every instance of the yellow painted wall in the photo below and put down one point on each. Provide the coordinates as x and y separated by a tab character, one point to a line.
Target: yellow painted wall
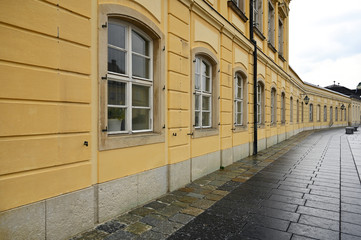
49	95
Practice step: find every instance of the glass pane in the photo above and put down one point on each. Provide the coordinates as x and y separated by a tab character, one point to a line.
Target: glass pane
116	60
116	93
208	86
116	35
198	65
239	93
239	107
196	119
206	120
116	119
239	118
197	83
140	95
205	69
206	103
140	119
140	44
197	103
140	66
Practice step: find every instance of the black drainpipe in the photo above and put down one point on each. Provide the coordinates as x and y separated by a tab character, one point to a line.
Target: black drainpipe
254	79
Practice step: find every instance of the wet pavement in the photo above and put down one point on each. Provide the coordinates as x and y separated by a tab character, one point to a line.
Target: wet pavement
307	187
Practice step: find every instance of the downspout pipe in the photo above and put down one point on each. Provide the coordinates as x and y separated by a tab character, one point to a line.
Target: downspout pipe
255	140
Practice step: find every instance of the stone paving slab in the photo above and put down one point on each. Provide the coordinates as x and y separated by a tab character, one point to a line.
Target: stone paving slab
307	187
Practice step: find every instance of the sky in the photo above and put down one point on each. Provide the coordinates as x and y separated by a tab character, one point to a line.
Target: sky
325	41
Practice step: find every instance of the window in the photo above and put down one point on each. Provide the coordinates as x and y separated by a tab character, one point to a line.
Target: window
283	110
130	79
240	4
271	24
344	115
302	112
257	14
291	109
205	89
203	93
238	99
260	102
336	114
331	114
325	113
298	111
311	112
131	96
318	113
280	37
273	106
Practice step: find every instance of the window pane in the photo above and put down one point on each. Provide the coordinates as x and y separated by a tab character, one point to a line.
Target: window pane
116	119
206	103
140	119
208	87
197	82
239	93
205	69
197	103
116	35
239	118
116	93
196	119
239	107
140	66
206	120
116	60
140	44
140	95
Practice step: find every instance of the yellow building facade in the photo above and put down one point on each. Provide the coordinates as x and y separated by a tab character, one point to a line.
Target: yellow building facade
106	105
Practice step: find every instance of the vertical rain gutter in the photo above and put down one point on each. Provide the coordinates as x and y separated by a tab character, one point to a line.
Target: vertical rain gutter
251	2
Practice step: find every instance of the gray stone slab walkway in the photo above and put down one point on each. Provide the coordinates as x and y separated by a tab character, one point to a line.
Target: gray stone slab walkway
307	187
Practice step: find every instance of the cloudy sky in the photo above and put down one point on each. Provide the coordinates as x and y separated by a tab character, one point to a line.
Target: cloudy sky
325	41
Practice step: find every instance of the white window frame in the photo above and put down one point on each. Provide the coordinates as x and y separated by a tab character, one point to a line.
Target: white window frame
291	109
238	99
283	107
259	102
240	4
202	93
273	106
258	14
131	80
280	37
271	23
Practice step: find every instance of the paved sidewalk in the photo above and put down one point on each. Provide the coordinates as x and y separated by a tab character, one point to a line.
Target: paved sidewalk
307	186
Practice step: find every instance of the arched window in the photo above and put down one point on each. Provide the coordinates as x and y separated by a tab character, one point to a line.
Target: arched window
311	113
331	114
260	102
203	93
273	106
298	111
336	114
238	98
283	108
291	109
302	112
130	79
325	113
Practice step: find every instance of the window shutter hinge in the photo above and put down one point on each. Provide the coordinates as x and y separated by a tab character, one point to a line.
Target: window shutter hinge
163	126
190	134
105	130
105	77
194	60
163	48
219	123
163	87
219	70
105	25
219	97
232	129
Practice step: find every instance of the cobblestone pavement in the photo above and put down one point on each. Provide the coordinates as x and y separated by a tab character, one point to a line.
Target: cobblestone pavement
307	187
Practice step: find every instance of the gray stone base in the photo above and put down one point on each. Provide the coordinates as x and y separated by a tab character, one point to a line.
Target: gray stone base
271	141
241	151
54	218
226	157
261	144
281	137
179	175
118	196
205	164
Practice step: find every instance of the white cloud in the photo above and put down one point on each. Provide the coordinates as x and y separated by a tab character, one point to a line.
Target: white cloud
325	41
